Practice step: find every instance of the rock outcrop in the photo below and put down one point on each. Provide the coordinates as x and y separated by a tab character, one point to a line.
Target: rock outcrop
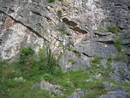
72	29
52	22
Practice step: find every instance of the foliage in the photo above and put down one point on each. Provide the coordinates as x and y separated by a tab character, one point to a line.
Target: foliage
25	54
18	77
97	68
113	29
118	44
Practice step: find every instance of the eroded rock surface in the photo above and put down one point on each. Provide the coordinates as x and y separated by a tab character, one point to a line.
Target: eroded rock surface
50	21
68	27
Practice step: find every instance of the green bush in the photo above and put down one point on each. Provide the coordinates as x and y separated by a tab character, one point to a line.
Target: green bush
47	61
31	65
25	54
28	67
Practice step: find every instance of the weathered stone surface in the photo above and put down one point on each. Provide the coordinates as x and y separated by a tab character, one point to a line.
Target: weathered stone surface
15	38
110	86
92	48
75	61
43	18
115	94
106	39
126	42
78	94
103	33
125	34
65	24
49	87
121	72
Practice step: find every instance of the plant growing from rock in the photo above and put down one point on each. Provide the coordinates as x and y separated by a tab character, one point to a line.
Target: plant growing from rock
113	29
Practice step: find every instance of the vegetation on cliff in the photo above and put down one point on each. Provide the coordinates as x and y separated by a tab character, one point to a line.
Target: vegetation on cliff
18	77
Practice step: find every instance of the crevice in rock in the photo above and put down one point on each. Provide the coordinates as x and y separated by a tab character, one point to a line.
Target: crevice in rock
128	7
118	4
79	30
39	14
77	52
70	23
74	26
102	33
29	28
106	42
1	41
48	18
86	54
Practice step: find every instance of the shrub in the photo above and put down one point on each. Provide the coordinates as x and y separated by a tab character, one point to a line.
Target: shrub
51	61
25	54
44	62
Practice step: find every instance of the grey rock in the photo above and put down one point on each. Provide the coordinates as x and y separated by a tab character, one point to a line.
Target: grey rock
128	53
126	42
74	61
129	59
92	48
42	18
105	39
121	73
103	33
125	34
115	94
49	87
78	94
110	86
15	38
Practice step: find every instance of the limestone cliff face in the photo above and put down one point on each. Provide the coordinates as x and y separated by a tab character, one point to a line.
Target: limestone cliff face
67	22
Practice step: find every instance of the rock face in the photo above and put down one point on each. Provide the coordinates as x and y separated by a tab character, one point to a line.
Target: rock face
15	38
52	22
115	94
43	85
68	27
78	94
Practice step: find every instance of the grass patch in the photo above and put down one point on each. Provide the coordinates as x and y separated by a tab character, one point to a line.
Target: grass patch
113	29
18	77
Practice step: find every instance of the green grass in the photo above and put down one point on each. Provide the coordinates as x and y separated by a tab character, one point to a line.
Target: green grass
113	29
18	77
118	44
